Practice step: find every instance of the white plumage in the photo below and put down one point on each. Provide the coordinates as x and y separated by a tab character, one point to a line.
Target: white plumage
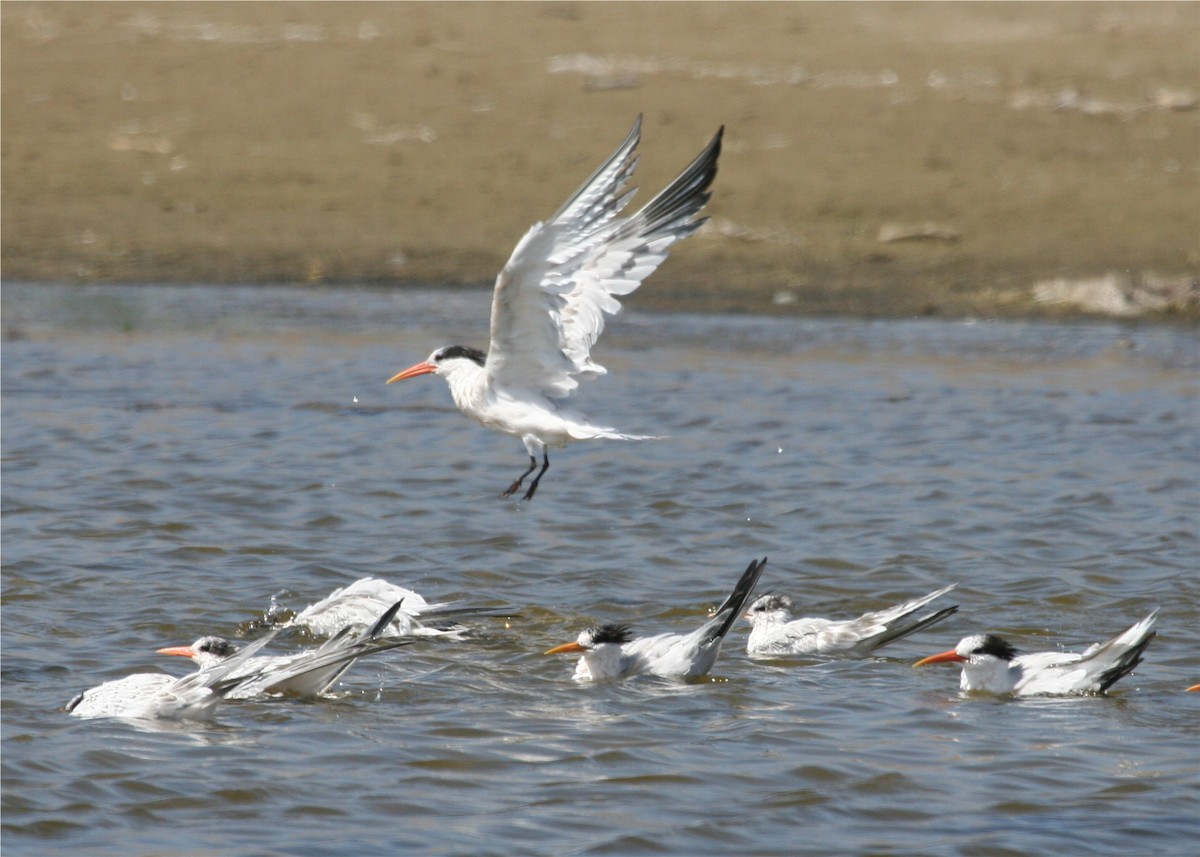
991	665
610	651
550	302
776	633
358	605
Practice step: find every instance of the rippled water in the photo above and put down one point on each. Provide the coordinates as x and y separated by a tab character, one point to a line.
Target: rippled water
179	461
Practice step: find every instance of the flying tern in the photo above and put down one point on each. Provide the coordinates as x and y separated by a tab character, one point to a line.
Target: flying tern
992	665
307	673
611	651
550	301
776	633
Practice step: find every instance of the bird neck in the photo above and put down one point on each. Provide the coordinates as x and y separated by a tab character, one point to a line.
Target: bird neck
466	380
990	674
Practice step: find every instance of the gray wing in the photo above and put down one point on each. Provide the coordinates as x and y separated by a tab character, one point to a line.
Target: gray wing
566	274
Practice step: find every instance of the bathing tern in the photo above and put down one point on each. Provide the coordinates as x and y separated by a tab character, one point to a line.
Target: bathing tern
611	651
155	696
550	301
992	665
359	604
307	673
776	633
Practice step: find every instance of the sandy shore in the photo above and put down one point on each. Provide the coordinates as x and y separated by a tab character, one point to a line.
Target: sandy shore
953	159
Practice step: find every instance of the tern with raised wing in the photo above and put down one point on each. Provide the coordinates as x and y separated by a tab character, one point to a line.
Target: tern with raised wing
776	633
550	301
157	696
611	651
992	665
308	673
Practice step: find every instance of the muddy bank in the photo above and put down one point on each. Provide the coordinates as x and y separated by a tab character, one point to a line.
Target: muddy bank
881	159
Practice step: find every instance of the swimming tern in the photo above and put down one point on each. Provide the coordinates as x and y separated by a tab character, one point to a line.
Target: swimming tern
156	696
776	633
992	665
611	651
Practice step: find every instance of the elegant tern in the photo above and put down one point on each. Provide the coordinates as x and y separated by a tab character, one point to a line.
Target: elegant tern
992	665
776	633
156	696
307	673
550	301
359	604
611	651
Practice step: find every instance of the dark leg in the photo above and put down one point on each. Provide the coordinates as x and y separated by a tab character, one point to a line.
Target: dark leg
534	484
512	489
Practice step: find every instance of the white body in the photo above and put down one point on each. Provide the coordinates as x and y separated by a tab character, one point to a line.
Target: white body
146	696
775	633
539	421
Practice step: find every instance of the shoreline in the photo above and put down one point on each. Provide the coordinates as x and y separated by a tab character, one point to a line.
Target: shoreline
679	300
881	160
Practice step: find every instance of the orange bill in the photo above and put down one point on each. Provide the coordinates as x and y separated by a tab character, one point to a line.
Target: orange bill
941	658
181	651
422	368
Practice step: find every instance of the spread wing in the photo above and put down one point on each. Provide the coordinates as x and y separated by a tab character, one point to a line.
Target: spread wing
551	298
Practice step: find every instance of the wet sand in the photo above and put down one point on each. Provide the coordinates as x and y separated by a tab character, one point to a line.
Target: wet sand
944	159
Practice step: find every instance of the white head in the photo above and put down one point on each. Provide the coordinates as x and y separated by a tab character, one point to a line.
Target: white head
444	361
986	661
770	608
601	649
205	652
596	637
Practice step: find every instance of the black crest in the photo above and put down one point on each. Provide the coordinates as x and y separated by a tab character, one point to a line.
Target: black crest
611	634
995	647
465	351
218	646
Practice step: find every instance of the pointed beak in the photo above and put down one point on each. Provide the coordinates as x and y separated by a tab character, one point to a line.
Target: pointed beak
565	648
1194	688
942	658
422	368
181	651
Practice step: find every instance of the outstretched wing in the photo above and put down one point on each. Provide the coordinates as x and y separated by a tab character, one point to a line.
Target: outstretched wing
551	297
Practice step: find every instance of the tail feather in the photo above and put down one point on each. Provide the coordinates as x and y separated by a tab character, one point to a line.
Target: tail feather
896	631
1125	664
1125	649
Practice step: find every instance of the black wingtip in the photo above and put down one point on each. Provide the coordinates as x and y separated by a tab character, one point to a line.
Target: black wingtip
737	599
687	195
1126	664
383	621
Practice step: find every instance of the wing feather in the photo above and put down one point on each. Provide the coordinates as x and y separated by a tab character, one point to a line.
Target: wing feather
566	274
